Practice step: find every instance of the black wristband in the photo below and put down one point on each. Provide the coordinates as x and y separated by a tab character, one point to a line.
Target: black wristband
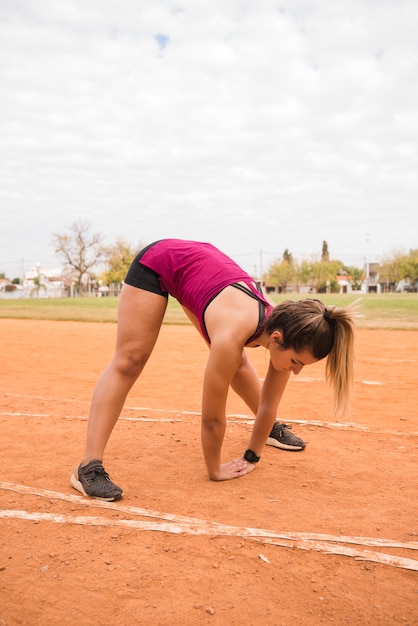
251	456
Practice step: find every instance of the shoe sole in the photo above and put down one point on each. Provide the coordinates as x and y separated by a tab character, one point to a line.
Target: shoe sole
283	446
77	485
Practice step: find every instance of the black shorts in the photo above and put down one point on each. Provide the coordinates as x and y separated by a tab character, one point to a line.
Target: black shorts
142	277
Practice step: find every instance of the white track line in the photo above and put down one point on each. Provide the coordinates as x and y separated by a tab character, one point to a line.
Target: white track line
231	418
176	524
169	527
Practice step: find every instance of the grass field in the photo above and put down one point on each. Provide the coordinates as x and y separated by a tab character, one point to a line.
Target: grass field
375	310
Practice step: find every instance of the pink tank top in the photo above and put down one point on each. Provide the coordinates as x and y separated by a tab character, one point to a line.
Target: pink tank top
194	273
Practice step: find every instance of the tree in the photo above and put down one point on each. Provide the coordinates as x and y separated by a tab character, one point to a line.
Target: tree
325	252
80	249
38	285
38	282
410	268
304	273
354	275
287	256
392	269
283	272
324	275
118	258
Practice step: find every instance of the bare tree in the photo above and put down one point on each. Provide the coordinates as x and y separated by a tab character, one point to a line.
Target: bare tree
81	250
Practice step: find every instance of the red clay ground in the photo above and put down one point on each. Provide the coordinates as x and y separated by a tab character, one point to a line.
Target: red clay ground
65	559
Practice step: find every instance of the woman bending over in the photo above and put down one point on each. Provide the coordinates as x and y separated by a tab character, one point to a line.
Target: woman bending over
230	312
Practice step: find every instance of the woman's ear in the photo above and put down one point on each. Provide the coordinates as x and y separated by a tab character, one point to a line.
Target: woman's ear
276	336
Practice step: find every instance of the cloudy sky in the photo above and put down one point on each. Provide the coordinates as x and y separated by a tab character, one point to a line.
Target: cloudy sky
256	125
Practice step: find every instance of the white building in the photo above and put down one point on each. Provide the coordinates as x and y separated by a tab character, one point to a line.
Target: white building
42	282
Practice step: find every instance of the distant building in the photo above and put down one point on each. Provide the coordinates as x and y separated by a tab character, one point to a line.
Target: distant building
344	284
41	282
371	283
6	285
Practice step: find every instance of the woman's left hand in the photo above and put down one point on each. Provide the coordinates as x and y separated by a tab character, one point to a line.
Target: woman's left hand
234	469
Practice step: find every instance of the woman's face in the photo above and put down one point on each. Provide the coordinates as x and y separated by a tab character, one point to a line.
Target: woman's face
288	360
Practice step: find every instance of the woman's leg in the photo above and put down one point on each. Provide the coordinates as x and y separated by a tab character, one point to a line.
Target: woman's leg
246	383
140	316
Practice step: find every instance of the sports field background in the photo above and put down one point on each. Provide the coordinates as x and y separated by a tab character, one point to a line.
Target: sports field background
391	310
326	536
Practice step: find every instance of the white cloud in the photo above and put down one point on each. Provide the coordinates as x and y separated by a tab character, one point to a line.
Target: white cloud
254	125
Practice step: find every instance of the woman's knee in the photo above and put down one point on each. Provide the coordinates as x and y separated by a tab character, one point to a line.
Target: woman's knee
129	363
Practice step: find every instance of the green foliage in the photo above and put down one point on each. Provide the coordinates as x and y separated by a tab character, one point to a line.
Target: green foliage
325	252
400	266
411	266
334	286
354	276
280	273
287	256
323	273
38	286
304	273
118	259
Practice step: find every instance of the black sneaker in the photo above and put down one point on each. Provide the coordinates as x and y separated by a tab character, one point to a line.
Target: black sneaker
92	480
281	437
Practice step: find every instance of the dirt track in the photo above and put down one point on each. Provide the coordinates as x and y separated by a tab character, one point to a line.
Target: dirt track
180	549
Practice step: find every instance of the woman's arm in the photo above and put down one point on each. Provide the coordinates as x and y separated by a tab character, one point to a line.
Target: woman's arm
230	319
271	394
223	362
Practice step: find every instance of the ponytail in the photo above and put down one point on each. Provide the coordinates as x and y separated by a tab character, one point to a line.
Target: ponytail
339	369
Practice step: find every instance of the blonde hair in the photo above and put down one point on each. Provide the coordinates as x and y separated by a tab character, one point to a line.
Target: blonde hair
324	331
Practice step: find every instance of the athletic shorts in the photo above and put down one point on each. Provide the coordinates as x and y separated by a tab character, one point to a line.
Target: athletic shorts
142	277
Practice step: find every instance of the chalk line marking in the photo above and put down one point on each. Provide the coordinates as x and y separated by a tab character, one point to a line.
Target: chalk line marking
169	420
180	524
321	380
317	546
233	418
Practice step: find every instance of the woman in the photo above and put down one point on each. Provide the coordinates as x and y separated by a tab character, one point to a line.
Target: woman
230	312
